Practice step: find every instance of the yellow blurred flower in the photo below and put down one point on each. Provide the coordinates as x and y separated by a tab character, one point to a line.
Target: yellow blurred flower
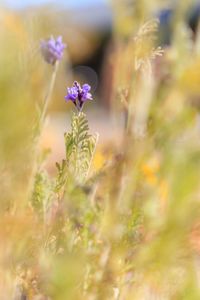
190	77
99	160
102	155
150	170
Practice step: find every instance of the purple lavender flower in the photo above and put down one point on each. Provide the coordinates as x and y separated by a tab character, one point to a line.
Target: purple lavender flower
52	49
79	94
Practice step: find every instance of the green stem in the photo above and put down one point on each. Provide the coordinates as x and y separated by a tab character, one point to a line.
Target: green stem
46	102
47	98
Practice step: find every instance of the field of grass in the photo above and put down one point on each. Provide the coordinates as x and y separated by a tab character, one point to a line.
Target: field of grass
109	222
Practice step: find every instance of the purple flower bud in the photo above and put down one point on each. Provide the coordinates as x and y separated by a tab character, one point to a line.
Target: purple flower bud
79	95
52	49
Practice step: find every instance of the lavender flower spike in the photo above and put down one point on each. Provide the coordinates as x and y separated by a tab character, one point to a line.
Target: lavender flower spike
52	49
79	94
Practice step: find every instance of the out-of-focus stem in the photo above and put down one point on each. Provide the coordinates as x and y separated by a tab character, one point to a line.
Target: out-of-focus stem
128	121
46	102
47	98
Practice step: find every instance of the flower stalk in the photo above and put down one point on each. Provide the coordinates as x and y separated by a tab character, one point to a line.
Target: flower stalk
52	52
47	98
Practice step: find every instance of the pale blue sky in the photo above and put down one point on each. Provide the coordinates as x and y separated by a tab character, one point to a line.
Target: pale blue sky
24	3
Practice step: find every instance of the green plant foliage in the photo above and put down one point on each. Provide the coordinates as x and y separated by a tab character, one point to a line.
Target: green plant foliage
42	192
79	145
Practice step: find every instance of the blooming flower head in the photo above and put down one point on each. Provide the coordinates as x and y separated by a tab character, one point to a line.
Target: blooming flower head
79	94
52	49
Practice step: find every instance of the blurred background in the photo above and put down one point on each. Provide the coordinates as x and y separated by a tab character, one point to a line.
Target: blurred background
92	30
86	27
105	41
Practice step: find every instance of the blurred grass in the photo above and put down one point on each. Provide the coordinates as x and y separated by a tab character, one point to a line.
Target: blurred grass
131	231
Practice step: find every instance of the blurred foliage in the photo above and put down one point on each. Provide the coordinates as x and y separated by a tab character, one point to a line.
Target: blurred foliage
126	227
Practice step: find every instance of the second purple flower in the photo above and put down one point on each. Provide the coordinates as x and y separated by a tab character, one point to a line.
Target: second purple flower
79	94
